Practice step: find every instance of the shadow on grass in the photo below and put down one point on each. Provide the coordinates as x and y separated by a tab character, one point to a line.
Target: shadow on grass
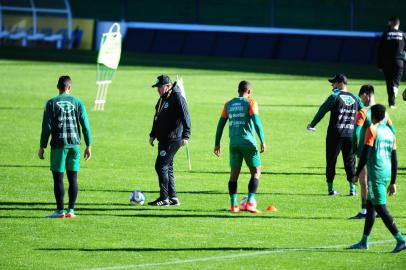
20	108
257	249
158	249
264	172
219	216
22	166
207	192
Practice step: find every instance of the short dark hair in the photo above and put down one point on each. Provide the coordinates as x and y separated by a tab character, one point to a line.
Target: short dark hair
378	112
63	82
393	21
243	86
366	89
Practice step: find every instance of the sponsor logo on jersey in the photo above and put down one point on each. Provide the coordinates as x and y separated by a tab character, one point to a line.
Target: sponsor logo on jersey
65	106
166	105
162	153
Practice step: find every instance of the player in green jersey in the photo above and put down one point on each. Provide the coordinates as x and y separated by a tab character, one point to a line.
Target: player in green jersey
362	123
242	113
379	154
64	116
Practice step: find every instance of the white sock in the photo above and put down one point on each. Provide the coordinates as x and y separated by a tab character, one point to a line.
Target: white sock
395	91
363	211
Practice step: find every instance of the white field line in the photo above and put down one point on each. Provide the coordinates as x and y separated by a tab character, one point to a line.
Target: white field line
231	256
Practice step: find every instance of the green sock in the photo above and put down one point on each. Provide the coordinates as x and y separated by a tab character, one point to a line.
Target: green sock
364	239
233	199
399	237
330	186
251	197
352	187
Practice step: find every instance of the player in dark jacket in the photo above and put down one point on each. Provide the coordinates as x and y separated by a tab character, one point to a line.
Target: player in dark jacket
343	107
391	54
171	127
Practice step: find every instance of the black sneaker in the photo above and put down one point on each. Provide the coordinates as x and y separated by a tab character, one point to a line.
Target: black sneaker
359	216
159	202
333	193
174	201
399	247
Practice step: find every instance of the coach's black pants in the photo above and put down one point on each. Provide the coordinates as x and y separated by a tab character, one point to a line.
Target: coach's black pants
333	146
393	72
164	168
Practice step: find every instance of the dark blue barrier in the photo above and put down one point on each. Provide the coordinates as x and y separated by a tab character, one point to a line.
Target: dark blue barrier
358	50
229	44
324	49
317	48
261	46
199	43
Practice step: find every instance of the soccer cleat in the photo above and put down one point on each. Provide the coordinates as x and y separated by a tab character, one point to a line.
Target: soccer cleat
359	216
359	246
399	247
249	206
159	202
353	193
334	193
174	201
70	214
57	214
235	209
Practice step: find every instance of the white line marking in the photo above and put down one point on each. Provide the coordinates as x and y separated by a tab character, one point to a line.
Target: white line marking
232	256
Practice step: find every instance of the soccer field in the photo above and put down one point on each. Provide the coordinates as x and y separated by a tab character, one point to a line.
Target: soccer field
310	230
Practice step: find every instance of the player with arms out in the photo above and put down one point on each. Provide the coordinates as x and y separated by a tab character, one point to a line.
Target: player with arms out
343	107
242	113
64	115
362	122
379	155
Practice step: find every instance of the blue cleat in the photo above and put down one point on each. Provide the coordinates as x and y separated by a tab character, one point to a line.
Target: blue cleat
399	247
359	246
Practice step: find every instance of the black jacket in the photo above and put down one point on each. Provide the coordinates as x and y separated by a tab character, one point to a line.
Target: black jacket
171	120
391	47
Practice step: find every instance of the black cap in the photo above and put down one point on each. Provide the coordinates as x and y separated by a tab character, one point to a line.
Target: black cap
162	80
339	78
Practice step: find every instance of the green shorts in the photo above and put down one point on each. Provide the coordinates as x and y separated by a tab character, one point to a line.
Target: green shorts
377	192
249	153
65	158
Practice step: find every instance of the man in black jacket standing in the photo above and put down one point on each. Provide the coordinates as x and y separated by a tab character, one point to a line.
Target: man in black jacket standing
171	127
391	54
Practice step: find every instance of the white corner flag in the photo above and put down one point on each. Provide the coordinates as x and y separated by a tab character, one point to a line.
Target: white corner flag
179	82
107	63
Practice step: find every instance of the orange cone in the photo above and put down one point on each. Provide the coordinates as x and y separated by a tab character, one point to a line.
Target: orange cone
271	208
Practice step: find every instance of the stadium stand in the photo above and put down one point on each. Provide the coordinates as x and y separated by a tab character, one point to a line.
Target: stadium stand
28	31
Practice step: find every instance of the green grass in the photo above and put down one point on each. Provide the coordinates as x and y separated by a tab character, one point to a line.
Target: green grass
310	230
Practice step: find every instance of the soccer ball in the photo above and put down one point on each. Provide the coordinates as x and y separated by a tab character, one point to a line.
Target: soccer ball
137	197
244	201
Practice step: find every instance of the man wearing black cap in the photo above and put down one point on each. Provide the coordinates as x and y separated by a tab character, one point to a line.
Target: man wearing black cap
171	127
343	107
391	54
